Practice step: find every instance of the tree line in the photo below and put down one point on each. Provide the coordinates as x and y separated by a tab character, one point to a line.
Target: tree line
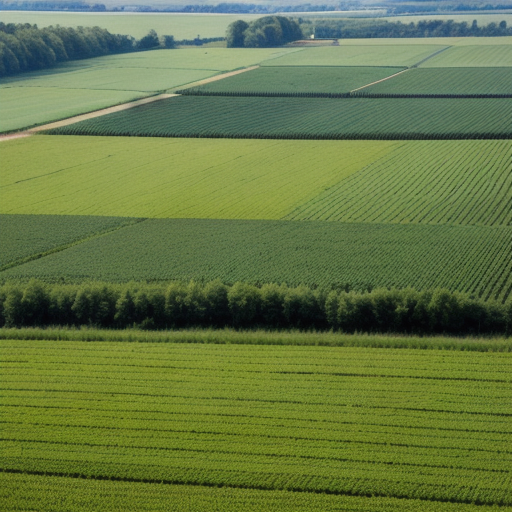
242	305
25	47
264	32
350	29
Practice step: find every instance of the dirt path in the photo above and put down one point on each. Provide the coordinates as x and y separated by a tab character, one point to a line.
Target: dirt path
118	108
381	80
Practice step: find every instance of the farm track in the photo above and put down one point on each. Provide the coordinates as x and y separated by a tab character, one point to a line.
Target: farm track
117	108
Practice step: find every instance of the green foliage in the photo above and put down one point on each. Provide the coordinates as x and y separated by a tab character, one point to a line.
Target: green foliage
294	81
277	427
25	47
443	82
265	32
283	118
235	34
469	259
243	305
150	40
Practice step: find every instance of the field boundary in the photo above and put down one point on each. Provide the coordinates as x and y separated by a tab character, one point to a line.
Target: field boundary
381	80
213	78
63	247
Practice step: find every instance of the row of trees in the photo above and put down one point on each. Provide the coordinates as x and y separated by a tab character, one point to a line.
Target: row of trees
264	32
272	306
25	47
349	29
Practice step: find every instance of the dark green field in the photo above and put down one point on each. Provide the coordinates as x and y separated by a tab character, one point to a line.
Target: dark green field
465	258
457	82
294	81
306	118
25	236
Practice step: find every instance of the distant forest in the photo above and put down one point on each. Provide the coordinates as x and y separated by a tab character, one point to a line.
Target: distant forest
25	47
248	8
348	29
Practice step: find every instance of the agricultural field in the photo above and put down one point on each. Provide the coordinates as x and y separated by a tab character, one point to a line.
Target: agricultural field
307	118
470	259
487	56
154	177
23	107
86	85
280	428
295	81
438	182
25	236
399	55
181	26
432	82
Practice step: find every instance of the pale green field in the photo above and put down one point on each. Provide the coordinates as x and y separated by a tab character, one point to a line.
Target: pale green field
181	26
443	41
144	177
82	86
23	107
482	19
472	56
104	78
364	55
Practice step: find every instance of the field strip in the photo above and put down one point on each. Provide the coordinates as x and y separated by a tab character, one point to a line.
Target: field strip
430	56
378	81
83	117
214	78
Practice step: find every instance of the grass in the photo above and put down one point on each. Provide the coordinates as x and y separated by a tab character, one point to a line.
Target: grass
29	236
472	56
259	337
140	177
469	259
411	424
295	81
434	182
365	55
311	118
445	81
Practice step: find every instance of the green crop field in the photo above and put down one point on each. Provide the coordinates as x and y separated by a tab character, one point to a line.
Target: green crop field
141	177
470	259
23	107
466	182
85	85
294	81
279	428
399	55
307	118
445	82
103	78
472	56
181	26
435	182
23	236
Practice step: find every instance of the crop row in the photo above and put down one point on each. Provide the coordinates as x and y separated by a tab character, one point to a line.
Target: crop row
201	415
294	81
463	182
61	494
24	236
359	256
342	82
316	118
